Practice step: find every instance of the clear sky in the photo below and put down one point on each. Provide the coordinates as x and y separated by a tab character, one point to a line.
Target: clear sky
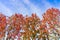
9	7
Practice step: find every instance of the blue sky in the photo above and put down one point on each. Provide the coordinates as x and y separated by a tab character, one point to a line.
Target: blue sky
9	7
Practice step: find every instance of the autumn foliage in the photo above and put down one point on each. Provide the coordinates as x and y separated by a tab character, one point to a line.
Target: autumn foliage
2	25
27	27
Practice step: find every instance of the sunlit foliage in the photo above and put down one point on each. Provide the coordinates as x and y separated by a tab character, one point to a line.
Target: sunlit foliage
31	27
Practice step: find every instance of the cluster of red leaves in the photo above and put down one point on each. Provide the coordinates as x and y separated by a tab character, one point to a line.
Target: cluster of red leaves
31	26
51	17
15	23
2	25
49	23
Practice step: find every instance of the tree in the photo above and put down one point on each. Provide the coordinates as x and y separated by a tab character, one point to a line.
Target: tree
51	18
27	27
2	25
15	23
30	27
